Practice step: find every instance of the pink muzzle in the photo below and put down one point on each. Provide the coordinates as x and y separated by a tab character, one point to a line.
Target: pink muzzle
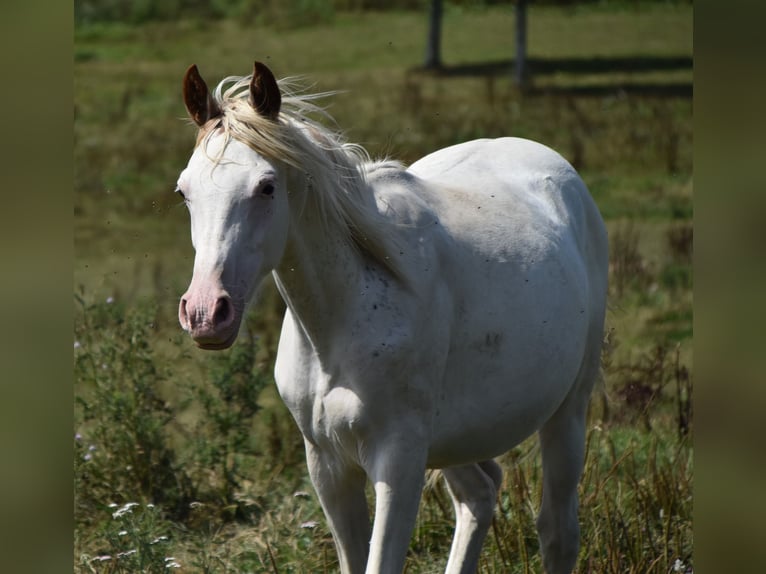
209	316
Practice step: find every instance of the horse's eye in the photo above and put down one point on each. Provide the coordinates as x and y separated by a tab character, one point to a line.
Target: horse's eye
268	189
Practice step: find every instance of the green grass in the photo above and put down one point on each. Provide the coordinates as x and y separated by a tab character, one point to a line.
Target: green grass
224	480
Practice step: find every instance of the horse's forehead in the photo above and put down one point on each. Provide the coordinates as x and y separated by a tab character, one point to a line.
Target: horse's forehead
227	157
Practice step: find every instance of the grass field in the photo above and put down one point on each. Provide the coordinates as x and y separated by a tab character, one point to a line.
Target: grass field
204	439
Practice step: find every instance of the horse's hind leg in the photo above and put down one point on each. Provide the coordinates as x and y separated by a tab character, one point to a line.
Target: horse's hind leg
562	442
473	488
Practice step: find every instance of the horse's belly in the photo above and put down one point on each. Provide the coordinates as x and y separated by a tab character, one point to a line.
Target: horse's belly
502	382
470	433
498	415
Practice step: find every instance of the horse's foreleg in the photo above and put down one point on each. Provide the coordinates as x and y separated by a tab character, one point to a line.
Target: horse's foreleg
341	493
398	473
473	488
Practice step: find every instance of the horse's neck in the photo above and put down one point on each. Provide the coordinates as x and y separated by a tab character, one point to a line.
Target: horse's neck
319	273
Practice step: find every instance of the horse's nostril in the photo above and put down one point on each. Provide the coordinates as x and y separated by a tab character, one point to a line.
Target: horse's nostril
183	317
223	311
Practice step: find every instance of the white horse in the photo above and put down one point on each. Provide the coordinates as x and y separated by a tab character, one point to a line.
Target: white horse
437	315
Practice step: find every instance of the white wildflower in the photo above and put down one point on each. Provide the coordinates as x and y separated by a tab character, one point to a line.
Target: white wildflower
678	566
109	300
124	510
122	533
310	524
159	539
127	553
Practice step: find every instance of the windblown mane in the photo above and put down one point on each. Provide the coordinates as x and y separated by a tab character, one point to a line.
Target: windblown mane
335	170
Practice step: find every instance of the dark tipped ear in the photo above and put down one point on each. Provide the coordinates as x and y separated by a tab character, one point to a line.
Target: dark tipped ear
199	102
264	92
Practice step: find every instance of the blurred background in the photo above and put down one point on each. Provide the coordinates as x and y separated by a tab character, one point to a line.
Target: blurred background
200	441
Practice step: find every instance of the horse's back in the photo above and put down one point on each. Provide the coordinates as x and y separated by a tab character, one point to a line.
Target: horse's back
509	153
514	172
504	197
494	201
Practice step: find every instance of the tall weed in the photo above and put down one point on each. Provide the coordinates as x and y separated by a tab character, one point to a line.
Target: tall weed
223	441
121	443
127	443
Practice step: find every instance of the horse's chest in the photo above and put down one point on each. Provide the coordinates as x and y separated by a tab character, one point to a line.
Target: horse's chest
328	412
333	419
340	405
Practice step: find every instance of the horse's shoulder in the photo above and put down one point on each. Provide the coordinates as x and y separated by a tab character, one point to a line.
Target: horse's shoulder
399	194
386	176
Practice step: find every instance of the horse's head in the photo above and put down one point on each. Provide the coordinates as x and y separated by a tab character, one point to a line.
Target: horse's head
237	201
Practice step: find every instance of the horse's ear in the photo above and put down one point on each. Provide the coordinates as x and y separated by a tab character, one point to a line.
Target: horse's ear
264	92
199	102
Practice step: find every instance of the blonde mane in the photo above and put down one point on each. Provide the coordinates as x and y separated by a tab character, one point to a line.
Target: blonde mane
335	170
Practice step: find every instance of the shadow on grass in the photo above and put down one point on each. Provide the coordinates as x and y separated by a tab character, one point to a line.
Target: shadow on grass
537	67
